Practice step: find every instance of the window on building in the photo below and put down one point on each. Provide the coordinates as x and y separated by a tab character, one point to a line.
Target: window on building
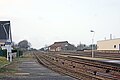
114	46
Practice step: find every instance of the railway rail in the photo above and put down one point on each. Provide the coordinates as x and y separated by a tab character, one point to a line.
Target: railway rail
115	56
83	69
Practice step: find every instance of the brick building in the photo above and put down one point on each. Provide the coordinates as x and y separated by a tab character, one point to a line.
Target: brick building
61	46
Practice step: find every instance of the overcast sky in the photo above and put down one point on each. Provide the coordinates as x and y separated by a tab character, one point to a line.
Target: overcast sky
42	22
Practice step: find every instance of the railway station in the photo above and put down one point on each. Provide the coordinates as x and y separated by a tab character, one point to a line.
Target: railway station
60	61
59	40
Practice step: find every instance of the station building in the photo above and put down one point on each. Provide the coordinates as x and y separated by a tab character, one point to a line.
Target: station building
111	44
61	46
2	44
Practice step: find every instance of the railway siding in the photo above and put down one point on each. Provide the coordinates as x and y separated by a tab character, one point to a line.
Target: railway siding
82	69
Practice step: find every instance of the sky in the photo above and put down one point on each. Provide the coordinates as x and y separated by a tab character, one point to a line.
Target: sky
43	22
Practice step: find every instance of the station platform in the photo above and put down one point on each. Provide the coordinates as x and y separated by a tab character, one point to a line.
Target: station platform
30	69
95	59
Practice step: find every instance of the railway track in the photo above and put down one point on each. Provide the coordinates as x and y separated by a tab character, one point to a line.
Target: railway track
115	56
82	69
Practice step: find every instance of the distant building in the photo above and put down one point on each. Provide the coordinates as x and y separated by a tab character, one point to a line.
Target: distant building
112	44
61	46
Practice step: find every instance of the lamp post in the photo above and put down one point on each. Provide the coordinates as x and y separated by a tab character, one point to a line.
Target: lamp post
7	37
92	42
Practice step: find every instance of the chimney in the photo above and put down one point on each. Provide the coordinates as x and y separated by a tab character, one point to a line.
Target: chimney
105	38
110	36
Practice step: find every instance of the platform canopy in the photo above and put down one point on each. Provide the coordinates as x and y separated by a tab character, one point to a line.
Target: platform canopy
5	30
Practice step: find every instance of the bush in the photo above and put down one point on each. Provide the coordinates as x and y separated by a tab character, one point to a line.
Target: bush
3	53
19	53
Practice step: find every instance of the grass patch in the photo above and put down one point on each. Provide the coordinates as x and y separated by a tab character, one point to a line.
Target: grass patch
2	70
3	61
8	67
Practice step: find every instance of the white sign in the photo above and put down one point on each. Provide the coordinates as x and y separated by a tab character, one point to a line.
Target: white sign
8	47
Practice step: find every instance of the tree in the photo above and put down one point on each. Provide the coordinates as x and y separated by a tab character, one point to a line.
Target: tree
94	46
24	45
14	45
70	47
81	46
42	49
86	47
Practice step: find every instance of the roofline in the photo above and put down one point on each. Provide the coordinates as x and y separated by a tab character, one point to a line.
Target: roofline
109	39
61	42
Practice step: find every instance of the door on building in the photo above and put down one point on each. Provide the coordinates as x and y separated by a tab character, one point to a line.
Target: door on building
119	46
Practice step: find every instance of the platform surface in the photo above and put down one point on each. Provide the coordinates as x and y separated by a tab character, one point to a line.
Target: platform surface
32	70
97	59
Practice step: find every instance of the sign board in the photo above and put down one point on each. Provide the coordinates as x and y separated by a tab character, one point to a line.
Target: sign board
9	48
7	43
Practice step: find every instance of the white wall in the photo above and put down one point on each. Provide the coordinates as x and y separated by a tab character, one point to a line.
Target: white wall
108	44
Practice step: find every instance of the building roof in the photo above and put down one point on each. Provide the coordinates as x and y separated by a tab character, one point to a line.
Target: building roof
109	39
59	44
62	42
4	28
